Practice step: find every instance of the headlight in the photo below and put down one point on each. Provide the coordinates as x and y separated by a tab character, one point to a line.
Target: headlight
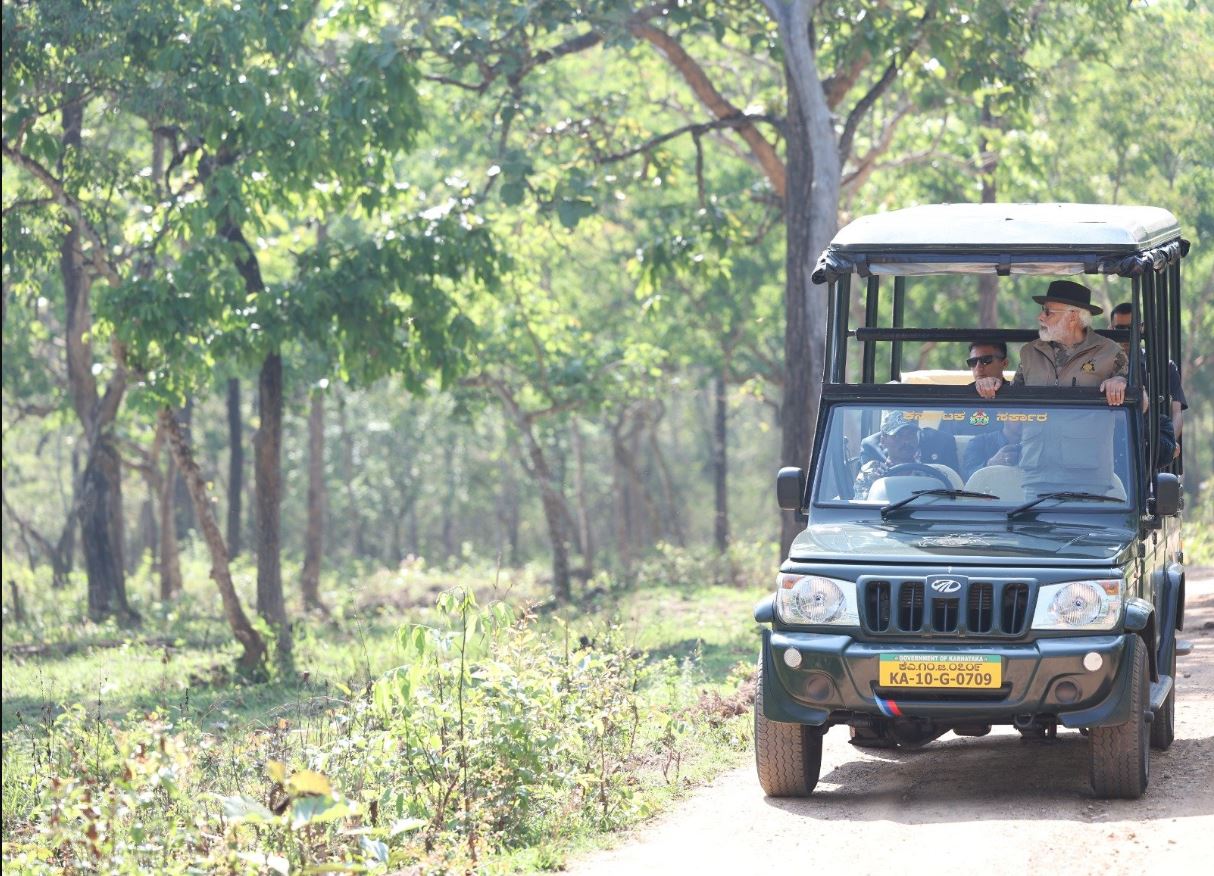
812	599
1078	605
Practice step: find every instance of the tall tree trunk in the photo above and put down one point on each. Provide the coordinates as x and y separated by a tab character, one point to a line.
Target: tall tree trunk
556	509
621	479
253	657
317	498
720	426
65	549
555	515
508	505
235	467
170	552
811	209
988	284
672	518
149	535
268	486
640	516
585	533
182	506
353	514
101	521
100	506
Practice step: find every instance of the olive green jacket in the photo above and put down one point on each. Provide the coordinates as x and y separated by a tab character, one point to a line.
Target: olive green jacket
1075	452
1095	360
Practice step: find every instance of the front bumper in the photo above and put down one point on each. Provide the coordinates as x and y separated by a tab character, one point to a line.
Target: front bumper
836	681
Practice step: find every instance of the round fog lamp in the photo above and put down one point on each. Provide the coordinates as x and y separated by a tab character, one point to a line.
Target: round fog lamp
1067	692
1092	661
792	658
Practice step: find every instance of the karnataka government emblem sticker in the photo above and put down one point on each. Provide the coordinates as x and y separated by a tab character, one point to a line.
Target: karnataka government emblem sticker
979	418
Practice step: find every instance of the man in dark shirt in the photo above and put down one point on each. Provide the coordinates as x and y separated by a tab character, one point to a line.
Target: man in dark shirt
1122	317
899	438
989	446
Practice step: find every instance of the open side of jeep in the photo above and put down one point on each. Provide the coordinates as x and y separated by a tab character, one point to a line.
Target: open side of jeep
1039	594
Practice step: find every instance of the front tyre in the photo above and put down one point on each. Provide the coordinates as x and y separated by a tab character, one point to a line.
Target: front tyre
1121	755
788	757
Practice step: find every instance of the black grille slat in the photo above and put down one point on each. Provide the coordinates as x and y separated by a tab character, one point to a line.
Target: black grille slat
980	616
876	604
945	615
1014	608
910	606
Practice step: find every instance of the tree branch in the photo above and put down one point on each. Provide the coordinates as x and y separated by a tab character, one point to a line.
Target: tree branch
60	196
868	162
27	202
695	77
891	73
696	130
107	406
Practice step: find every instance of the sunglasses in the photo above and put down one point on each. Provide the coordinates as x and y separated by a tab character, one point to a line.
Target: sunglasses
985	360
1045	308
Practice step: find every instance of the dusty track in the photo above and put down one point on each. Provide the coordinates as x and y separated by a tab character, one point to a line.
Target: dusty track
992	805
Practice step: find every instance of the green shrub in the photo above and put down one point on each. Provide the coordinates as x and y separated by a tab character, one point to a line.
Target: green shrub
496	742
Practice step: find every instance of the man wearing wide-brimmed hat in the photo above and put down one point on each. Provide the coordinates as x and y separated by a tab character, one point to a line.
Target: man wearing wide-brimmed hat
1068	352
1073	451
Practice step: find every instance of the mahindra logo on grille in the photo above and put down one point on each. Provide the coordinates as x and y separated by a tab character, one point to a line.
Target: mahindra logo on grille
946	585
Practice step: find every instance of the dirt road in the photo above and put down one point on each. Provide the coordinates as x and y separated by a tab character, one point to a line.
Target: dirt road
991	805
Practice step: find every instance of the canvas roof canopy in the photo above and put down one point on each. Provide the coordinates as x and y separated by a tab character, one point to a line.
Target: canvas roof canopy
1005	239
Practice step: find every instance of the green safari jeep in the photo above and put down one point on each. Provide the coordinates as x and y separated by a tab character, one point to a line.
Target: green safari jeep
1042	589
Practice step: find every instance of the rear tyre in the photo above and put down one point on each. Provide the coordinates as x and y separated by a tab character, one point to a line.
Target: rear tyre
1121	755
1163	728
788	757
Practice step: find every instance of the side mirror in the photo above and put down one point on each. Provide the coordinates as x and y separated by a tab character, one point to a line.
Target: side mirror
790	488
1167	494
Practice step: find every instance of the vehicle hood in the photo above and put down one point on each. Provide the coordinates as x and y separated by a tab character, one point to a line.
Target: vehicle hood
1098	541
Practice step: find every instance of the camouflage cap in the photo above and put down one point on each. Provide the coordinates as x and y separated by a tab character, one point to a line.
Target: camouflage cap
895	421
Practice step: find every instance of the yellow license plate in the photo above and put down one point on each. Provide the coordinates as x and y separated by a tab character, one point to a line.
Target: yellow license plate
953	671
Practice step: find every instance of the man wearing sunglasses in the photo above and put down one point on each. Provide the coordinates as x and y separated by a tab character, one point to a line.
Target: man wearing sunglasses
989	444
1067	352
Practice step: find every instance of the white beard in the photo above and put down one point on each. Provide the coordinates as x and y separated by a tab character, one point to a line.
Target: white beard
1045	333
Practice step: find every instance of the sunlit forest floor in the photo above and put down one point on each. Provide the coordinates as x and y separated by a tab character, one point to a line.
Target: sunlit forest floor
443	718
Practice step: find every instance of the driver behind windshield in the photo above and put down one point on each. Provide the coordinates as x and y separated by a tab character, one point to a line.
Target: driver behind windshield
900	442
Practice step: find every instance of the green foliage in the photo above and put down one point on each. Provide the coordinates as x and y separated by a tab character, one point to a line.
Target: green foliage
509	737
224	136
498	738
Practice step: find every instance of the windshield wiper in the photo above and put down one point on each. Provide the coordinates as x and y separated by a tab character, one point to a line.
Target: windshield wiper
939	491
1064	494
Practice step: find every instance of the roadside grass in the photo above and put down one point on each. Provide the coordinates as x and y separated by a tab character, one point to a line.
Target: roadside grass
135	750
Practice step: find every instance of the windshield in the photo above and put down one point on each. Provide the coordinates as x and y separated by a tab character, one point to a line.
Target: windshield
877	454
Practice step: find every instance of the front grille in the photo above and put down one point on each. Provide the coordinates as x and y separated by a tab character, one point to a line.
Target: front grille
966	608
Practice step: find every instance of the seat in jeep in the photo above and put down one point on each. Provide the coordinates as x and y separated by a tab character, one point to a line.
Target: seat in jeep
1004	481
